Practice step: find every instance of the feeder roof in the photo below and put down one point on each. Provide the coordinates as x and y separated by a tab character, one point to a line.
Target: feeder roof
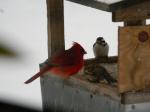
108	5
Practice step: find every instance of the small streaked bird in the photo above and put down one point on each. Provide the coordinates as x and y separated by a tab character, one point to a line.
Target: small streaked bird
98	73
100	48
102	74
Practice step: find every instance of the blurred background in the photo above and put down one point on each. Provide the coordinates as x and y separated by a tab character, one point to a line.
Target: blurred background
23	43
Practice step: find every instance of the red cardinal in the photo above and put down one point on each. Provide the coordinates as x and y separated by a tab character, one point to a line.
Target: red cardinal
64	63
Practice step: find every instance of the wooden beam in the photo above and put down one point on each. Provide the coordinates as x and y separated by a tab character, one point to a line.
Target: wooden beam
124	4
110	60
136	97
80	82
78	95
135	23
136	12
55	19
134	58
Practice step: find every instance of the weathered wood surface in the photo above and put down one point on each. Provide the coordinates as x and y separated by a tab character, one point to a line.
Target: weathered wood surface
111	92
124	4
55	19
135	12
134	61
139	107
78	95
112	59
94	88
136	97
135	23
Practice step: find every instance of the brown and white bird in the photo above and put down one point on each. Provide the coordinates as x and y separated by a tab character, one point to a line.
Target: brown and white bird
100	48
102	74
97	73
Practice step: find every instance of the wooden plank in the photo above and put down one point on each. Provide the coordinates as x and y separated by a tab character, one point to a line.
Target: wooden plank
124	4
136	97
82	83
138	107
112	59
134	61
55	19
55	16
135	12
78	95
135	23
108	91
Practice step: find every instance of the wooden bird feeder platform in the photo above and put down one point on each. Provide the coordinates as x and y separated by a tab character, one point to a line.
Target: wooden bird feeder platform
131	67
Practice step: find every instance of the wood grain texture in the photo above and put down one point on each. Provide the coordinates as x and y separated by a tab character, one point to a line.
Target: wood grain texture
110	60
135	12
55	16
55	19
78	95
136	97
80	82
134	61
135	23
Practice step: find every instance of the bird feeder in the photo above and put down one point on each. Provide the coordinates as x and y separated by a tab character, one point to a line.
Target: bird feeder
131	67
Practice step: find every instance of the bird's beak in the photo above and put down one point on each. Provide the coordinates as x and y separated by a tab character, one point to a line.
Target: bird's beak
85	52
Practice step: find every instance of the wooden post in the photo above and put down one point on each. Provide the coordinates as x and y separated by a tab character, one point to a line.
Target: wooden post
55	14
55	21
132	13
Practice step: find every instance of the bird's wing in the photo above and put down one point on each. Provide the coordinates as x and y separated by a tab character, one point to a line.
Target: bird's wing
64	58
94	44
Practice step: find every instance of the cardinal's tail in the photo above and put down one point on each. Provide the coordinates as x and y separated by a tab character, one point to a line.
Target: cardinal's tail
45	69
